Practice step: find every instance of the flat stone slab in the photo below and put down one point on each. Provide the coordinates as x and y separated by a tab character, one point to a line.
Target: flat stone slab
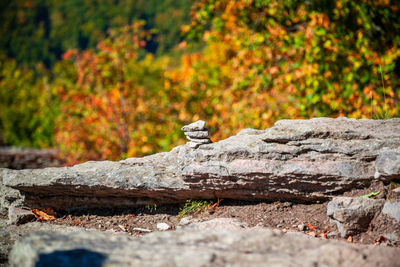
200	141
195	126
303	160
197	134
249	247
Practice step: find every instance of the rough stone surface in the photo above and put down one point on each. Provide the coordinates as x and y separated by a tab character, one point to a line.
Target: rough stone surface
9	197
195	126
19	216
303	160
197	134
185	221
255	247
388	163
9	234
193	144
394	194
392	209
163	226
200	141
216	224
353	215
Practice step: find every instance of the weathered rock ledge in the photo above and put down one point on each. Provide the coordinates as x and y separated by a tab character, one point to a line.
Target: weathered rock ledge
303	160
240	247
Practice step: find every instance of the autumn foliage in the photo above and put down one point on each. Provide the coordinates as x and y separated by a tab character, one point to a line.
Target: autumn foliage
115	106
296	59
262	60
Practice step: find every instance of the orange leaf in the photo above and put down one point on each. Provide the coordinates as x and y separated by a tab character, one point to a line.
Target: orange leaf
350	239
42	216
49	211
216	203
311	227
323	234
75	223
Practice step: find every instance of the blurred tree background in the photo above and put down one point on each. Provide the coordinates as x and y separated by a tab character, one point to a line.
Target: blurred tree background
111	79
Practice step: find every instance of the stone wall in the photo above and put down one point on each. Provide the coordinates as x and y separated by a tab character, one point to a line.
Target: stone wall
28	158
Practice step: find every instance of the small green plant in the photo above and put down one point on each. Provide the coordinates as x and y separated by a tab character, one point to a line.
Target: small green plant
151	208
394	185
194	206
383	115
371	194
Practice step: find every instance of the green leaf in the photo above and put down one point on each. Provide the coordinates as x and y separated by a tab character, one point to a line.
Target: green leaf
371	194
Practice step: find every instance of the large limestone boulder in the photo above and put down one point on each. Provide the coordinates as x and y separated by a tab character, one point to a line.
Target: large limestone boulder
303	160
246	247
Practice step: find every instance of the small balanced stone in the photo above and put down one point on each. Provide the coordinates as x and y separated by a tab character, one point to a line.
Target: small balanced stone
196	133
195	126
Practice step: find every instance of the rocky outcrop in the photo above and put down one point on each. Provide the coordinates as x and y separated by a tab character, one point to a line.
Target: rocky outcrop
9	198
19	216
353	215
246	247
302	160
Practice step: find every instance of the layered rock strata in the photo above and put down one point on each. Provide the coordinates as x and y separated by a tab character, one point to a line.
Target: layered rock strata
304	160
196	133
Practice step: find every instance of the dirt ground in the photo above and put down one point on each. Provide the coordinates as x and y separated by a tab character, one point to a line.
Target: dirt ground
311	218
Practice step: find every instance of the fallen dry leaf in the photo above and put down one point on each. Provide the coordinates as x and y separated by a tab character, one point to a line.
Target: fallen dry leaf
323	234
42	216
310	227
49	211
350	239
216	203
75	223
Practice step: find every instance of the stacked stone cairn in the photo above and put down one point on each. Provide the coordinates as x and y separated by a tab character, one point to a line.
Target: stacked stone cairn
196	133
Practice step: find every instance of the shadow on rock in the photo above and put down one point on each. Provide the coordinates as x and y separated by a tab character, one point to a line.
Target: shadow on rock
71	258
